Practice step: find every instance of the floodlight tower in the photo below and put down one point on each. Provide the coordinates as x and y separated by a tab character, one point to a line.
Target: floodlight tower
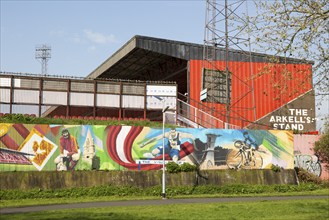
226	30
43	54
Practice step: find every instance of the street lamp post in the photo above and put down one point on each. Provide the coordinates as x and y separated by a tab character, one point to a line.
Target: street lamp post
164	109
163	155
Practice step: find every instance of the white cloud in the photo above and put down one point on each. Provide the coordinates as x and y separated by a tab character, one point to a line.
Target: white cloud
99	38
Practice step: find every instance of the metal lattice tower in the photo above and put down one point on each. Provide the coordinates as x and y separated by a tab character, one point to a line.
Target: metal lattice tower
226	30
43	54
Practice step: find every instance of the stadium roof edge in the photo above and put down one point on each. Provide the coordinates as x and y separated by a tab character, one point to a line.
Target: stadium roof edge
139	45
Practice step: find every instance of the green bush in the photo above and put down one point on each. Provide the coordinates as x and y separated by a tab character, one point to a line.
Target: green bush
321	147
276	168
186	167
27	119
173	167
126	191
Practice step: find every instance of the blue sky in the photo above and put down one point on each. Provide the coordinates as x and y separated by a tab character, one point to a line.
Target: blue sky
83	34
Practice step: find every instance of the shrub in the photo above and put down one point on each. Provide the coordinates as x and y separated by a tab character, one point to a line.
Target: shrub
321	147
186	167
126	191
27	119
173	167
276	168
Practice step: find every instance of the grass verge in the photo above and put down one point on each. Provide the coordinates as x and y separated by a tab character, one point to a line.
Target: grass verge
17	198
292	209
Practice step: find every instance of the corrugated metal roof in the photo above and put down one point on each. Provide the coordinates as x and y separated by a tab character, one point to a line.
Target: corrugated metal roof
149	58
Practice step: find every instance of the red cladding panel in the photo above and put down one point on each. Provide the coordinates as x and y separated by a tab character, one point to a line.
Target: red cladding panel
274	86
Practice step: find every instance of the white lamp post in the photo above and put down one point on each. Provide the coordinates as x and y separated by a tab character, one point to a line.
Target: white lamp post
164	109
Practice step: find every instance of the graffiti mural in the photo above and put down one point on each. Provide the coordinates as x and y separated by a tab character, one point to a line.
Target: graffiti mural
305	156
27	147
310	163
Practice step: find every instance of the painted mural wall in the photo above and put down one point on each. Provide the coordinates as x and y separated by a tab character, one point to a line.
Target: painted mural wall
27	147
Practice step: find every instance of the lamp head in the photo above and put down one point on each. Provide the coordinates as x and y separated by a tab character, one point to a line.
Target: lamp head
165	109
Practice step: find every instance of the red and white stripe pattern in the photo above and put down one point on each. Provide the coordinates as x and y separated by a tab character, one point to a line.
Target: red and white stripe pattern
119	145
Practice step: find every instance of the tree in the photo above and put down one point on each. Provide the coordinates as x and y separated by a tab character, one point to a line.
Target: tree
295	28
321	147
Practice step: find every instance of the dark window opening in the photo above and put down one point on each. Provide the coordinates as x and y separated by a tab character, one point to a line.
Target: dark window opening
214	81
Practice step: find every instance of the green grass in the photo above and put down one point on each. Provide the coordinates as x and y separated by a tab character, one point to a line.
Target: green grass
285	209
52	201
292	209
66	200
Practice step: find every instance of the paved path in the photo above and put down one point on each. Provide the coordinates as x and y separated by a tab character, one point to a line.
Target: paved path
150	202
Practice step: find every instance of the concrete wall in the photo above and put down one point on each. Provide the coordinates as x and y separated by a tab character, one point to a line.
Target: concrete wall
53	179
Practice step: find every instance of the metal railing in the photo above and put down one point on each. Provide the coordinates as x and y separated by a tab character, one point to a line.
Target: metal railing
49	96
191	116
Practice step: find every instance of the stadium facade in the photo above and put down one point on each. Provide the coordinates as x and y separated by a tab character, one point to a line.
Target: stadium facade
266	92
236	90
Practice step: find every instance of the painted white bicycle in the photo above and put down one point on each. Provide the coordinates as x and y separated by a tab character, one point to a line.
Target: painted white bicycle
243	156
